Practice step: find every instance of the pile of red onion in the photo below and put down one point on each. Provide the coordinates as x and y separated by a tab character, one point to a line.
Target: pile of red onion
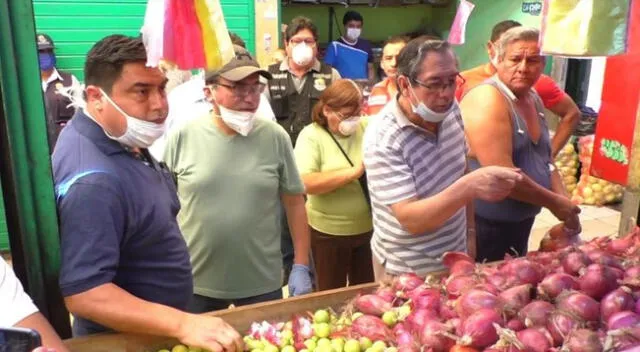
581	298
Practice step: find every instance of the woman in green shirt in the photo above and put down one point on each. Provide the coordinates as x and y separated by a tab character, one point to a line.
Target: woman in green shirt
329	157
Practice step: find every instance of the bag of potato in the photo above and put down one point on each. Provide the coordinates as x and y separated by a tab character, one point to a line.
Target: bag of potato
592	190
567	164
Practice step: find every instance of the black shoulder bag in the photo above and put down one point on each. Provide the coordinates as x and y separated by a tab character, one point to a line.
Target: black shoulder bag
363	179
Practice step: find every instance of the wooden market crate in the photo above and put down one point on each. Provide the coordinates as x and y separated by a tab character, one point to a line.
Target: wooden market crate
240	318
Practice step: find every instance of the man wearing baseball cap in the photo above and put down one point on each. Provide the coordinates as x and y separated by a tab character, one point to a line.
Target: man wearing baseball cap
233	172
57	87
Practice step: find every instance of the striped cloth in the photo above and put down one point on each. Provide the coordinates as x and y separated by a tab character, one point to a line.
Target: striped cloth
404	161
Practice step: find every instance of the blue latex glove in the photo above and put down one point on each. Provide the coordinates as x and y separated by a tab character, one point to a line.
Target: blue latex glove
299	280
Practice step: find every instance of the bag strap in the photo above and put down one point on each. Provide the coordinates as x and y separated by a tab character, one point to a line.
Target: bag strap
362	179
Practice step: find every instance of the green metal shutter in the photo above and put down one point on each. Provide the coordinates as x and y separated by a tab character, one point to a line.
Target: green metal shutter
75	25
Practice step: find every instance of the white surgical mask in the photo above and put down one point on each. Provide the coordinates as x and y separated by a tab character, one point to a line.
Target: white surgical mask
139	133
349	126
302	54
239	121
354	33
427	114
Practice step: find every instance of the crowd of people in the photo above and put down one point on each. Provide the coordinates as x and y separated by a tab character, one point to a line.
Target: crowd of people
288	175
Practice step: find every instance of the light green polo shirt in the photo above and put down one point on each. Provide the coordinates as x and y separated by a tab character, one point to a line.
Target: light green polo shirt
229	189
343	211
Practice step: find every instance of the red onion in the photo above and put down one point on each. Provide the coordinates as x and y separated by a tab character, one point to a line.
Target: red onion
624	319
447	311
559	326
462	267
478	330
473	300
616	301
418	318
637	310
435	335
573	262
487	287
372	327
619	246
623	340
552	285
387	294
515	325
533	340
583	340
597	281
450	258
424	297
542	257
604	258
372	304
455	286
536	313
407	282
578	303
632	272
523	270
546	333
517	297
499	280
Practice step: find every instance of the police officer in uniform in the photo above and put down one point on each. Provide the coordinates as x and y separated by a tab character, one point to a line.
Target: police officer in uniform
57	87
296	86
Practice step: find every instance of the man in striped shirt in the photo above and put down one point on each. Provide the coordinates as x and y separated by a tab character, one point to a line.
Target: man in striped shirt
415	158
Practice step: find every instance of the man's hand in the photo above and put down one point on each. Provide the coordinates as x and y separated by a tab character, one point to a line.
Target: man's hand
566	211
494	183
208	332
572	224
299	280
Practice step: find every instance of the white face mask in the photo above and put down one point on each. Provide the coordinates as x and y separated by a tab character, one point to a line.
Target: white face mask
427	114
139	133
302	54
349	126
354	33
239	121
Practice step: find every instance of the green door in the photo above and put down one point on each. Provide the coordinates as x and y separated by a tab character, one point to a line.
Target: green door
75	25
4	236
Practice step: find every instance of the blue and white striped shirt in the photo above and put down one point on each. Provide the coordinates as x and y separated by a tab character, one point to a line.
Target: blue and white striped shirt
404	161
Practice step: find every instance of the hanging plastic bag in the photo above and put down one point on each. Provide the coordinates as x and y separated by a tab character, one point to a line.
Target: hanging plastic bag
584	27
218	48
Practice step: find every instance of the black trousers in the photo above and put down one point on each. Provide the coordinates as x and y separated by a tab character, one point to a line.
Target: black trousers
202	304
497	238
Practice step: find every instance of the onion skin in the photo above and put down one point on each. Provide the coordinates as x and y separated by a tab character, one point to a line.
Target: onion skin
515	325
372	327
426	298
478	330
524	271
450	258
473	300
616	301
559	326
407	282
604	258
418	318
457	285
581	305
372	304
554	284
517	297
597	281
575	261
535	313
622	320
462	267
533	340
431	337
583	340
387	294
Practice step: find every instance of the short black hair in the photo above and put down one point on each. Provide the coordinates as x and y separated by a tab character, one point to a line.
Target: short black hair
502	27
396	39
352	16
298	24
108	56
236	40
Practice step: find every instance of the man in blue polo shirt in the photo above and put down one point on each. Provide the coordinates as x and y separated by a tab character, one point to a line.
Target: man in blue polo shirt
125	265
351	55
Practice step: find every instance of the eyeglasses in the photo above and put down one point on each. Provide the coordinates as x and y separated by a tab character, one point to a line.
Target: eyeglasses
342	117
441	85
309	41
243	90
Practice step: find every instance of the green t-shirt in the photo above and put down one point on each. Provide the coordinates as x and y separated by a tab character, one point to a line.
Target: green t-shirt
343	211
229	189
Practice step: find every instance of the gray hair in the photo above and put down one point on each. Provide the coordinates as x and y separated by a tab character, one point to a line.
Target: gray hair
411	57
513	35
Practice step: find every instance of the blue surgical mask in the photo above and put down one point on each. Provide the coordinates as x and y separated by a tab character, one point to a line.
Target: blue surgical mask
47	61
